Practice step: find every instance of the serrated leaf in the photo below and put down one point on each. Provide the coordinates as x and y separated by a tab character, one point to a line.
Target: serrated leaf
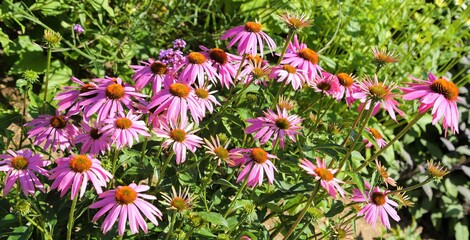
214	218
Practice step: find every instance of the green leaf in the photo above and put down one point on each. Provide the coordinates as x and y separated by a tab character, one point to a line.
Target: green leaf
204	232
51	8
461	231
214	218
224	182
8	220
359	182
21	233
337	208
4	39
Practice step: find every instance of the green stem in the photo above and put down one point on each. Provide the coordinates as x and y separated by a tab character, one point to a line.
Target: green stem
172	223
303	212
301	230
71	218
48	69
284	49
162	172
358	136
330	103
353	127
413	187
35	224
203	188
114	162
398	136
240	190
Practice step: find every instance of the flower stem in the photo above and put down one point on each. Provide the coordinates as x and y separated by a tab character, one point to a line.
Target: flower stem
240	190
113	168
353	127
284	49
172	224
71	219
413	187
162	172
302	213
35	224
46	77
398	136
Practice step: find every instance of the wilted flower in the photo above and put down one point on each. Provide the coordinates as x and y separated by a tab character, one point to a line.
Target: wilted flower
402	198
286	103
384	174
377	136
180	200
295	20
436	170
382	57
219	152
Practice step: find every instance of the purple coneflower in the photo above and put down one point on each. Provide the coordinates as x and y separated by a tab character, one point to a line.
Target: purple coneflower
348	87
180	201
377	136
255	71
124	129
197	66
127	204
75	172
21	165
249	38
70	98
56	131
327	84
441	95
378	205
275	125
219	152
325	175
288	74
205	98
154	72
384	174
180	135
93	140
300	56
255	162
225	64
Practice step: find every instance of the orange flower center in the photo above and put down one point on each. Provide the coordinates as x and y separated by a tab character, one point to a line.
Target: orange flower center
324	86
309	55
179	90
345	79
115	91
282	123
196	58
289	69
58	122
447	88
378	91
95	134
253	27
178	203
19	163
158	68
378	198
221	152
178	135
255	59
202	93
324	174
123	123
218	55
87	87
258	72
259	155
125	195
375	133
80	163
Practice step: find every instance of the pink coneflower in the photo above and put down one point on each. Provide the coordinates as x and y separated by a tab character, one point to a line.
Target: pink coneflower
295	21
70	98
384	174
378	205
325	175
223	62
197	66
219	152
249	38
255	71
327	84
275	125
180	135
377	136
288	74
205	98
93	140
177	98
75	172
373	90
109	98
255	162
300	56
126	203
180	201
348	86
441	95
21	165
124	129
154	72
382	57
56	131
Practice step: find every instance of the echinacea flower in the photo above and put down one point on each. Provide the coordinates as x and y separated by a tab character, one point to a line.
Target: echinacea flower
441	95
176	98
56	131
152	71
436	170
179	134
348	86
109	98
124	129
197	67
93	140
325	175
384	174
225	64
295	21
220	153
126	203
380	94
328	84
22	165
378	205
277	125
250	37
75	171
205	98
377	136
70	98
286	103
179	201
382	57
255	71
300	56
288	74
255	162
